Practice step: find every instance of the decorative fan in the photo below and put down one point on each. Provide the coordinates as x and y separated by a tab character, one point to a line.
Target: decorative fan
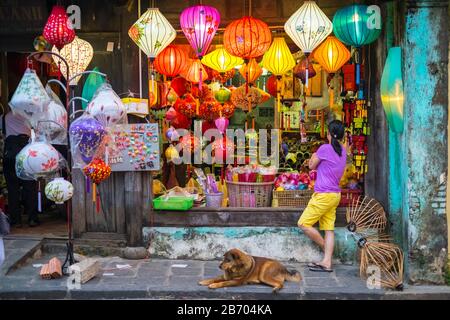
366	215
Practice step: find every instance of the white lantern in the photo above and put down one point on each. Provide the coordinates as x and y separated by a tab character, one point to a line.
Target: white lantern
107	107
30	96
308	26
59	190
78	55
37	160
152	32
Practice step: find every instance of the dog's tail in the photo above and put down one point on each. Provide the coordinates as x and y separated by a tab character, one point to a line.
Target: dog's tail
292	275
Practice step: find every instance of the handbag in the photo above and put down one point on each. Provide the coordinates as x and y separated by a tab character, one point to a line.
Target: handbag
4	224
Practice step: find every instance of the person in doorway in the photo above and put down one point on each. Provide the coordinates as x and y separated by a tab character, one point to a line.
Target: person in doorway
17	132
329	161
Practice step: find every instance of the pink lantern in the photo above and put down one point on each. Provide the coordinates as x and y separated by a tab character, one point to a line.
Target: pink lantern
222	124
199	24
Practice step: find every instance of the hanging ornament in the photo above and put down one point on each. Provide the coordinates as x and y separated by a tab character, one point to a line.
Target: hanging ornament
172	96
59	190
222	124
331	54
195	72
180	85
180	121
172	134
272	85
220	60
58	30
278	59
37	160
78	55
247	38
251	71
97	170
202	94
107	107
199	24
246	99
171	114
300	69
222	95
187	105
209	110
171	61
171	153
227	109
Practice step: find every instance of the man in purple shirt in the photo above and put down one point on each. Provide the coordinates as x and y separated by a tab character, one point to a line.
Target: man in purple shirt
329	161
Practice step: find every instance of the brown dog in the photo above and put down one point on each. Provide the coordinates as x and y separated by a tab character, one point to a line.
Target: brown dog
240	268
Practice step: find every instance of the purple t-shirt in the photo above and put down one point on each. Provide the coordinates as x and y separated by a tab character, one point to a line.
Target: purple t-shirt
330	169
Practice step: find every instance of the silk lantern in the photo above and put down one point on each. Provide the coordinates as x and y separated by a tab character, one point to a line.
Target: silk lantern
331	55
251	71
222	95
299	70
78	55
195	72
171	61
59	190
391	89
91	85
220	60
58	30
247	37
278	59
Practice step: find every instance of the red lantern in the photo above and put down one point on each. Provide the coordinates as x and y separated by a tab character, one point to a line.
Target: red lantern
97	170
180	121
300	70
171	61
271	85
206	125
227	109
180	85
187	105
209	110
247	38
202	95
58	30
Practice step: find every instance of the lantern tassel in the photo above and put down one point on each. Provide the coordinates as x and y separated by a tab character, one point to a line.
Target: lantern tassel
306	72
88	185
331	91
39	197
97	204
94	192
200	82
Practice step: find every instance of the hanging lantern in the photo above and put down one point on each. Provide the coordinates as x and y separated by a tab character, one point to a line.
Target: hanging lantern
251	71
220	60
300	70
91	85
78	55
246	99
37	160
97	170
308	26
195	72
171	153
152	32
227	109
391	89
247	37
179	84
107	107
272	85
187	105
59	190
86	135
278	59
180	121
58	30
331	54
199	24
222	124
209	110
171	61
357	26
222	95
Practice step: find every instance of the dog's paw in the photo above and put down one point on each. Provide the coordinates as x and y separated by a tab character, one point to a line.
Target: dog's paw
203	282
214	285
275	290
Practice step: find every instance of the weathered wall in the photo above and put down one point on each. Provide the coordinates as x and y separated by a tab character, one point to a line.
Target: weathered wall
424	141
207	243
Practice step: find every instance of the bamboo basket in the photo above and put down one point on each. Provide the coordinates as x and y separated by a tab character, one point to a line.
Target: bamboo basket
250	194
291	198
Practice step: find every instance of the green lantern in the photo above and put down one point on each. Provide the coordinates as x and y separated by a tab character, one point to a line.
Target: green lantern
93	82
391	89
222	95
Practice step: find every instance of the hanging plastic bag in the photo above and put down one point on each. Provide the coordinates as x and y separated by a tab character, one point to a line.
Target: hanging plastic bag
39	159
30	96
86	135
107	107
52	122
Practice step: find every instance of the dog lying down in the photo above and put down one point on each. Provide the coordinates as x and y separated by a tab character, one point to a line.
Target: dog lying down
240	269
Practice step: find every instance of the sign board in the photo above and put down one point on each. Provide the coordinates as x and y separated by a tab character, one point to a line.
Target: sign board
134	147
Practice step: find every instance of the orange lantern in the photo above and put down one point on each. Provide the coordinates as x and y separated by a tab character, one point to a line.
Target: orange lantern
331	54
247	37
192	72
171	61
251	71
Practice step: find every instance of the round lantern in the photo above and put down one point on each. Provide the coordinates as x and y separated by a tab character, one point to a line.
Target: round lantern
37	160
171	153
331	54
186	105
86	134
106	106
199	24
251	71
247	37
195	72
356	26
171	61
209	110
180	85
278	59
222	95
171	114
59	190
308	26
52	123
78	55
220	60
152	32
301	67
222	147
172	134
97	170
58	30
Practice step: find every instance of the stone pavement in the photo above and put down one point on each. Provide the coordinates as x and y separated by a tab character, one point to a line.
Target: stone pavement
177	279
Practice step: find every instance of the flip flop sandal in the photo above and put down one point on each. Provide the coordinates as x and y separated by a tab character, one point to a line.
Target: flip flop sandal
320	268
312	264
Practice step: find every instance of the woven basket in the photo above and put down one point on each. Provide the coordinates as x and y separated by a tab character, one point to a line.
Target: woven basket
250	194
292	198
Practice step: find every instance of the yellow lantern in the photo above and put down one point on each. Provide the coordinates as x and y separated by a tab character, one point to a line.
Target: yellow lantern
220	60
171	153
331	55
251	71
278	59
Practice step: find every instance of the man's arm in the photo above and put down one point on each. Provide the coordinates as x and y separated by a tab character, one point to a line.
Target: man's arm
314	161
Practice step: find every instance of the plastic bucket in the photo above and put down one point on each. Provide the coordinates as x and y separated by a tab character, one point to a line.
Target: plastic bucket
214	199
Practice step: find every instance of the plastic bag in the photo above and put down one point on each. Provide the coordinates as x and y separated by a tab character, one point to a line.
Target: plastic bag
158	187
52	122
107	107
86	135
91	85
39	159
30	96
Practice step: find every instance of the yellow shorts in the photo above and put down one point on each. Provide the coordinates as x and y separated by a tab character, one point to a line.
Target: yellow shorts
322	208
